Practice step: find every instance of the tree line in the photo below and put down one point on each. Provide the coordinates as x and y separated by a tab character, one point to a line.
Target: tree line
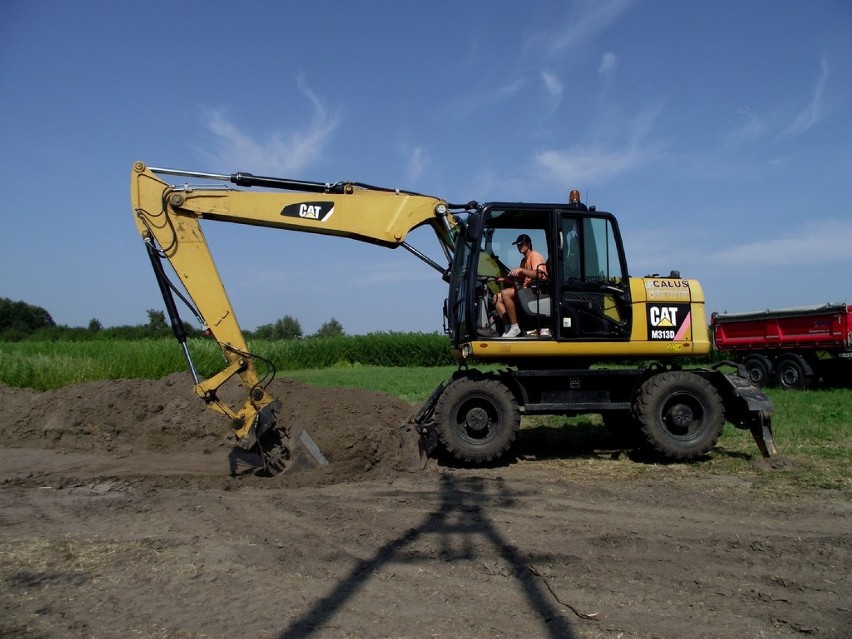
21	321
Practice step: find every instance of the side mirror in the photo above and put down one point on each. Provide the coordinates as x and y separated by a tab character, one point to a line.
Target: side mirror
473	228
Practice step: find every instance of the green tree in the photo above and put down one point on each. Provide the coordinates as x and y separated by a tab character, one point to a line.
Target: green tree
285	328
19	319
157	325
331	328
95	325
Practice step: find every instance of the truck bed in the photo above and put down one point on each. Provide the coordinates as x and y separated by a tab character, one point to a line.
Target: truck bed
825	327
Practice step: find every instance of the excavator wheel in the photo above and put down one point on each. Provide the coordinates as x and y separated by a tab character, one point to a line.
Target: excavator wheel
477	419
680	413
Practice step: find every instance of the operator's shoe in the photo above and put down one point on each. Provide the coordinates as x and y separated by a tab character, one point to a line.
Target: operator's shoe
512	331
545	332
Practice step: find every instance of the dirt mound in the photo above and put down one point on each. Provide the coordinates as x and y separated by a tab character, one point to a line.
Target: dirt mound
355	429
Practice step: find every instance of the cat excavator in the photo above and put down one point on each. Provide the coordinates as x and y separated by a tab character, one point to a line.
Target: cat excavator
592	338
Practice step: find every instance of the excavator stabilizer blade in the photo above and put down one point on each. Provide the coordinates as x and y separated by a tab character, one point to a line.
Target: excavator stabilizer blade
418	437
762	434
413	453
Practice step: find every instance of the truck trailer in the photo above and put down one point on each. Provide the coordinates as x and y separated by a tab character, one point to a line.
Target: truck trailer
792	347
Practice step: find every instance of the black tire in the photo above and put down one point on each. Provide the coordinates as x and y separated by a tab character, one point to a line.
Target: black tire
790	373
477	419
758	369
681	415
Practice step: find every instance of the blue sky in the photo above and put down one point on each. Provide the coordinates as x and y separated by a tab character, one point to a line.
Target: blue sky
719	133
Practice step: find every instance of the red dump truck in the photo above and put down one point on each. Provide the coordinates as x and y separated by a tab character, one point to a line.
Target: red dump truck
790	347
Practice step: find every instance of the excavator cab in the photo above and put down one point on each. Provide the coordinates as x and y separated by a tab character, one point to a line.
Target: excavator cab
584	296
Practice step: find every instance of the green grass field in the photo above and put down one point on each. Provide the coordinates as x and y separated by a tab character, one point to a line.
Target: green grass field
813	429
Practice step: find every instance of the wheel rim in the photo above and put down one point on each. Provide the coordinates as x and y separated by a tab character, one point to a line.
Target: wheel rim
789	375
682	416
477	419
757	371
756	375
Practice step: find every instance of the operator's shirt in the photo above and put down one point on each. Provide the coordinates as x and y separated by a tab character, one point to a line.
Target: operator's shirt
533	260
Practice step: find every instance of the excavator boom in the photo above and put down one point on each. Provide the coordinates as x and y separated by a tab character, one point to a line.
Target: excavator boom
168	218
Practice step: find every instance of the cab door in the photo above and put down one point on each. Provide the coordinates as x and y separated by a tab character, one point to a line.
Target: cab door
594	291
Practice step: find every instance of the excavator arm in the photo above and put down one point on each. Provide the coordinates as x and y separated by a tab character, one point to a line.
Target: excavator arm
168	218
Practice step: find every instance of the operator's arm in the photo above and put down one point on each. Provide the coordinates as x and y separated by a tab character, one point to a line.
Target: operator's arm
535	268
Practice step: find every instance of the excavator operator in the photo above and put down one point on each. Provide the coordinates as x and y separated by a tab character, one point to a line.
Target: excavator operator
532	267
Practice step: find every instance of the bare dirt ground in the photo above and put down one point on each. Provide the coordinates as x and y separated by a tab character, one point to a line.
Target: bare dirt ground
119	520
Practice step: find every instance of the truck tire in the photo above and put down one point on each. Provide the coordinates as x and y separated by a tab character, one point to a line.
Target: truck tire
680	413
477	419
758	368
792	373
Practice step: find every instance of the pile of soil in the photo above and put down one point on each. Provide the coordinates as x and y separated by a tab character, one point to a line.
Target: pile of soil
356	430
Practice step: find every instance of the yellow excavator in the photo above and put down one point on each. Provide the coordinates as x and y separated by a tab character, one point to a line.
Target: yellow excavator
583	332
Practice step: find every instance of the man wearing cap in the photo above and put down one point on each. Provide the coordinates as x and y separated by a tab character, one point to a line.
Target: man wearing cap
532	267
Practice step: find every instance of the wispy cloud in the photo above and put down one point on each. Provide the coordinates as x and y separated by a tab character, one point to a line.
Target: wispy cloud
813	111
584	23
609	63
553	90
488	97
586	165
817	242
278	153
599	161
417	163
552	84
752	127
779	123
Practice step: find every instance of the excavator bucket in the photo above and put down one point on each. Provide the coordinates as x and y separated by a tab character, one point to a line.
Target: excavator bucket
276	450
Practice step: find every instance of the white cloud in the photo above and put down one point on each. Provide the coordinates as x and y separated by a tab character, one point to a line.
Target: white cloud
753	127
586	165
818	242
609	63
552	84
812	112
417	163
599	161
778	123
587	20
279	153
486	98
